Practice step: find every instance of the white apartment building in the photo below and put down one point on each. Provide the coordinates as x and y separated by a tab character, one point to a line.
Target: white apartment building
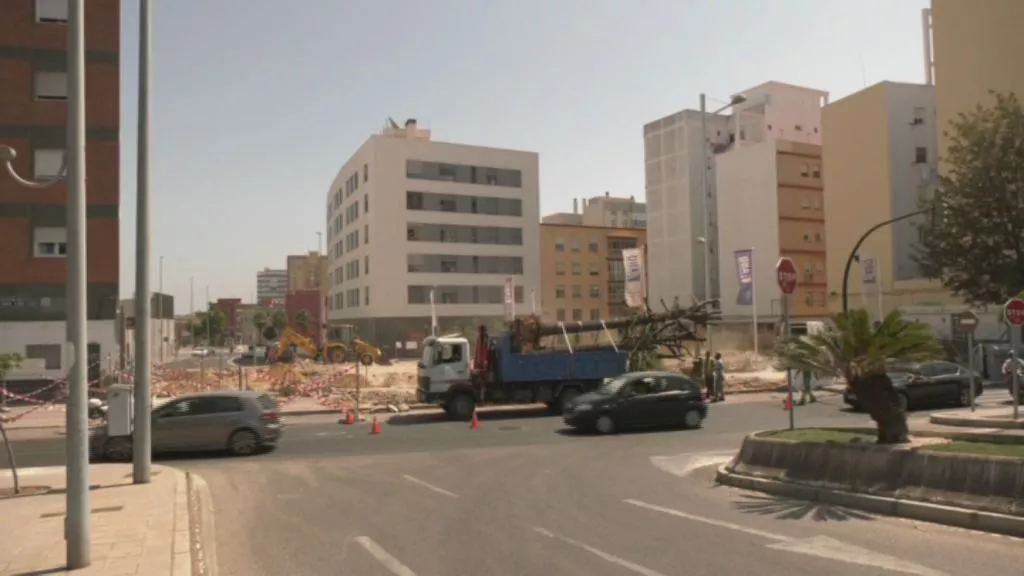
271	285
407	215
675	191
606	211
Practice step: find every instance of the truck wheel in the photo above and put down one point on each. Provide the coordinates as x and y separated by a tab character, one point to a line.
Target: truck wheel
566	398
604	424
461	407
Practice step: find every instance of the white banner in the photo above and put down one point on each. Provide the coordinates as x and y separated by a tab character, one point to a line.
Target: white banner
433	315
510	299
633	261
870	270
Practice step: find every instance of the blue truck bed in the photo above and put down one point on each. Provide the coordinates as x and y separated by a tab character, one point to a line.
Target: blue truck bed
559	366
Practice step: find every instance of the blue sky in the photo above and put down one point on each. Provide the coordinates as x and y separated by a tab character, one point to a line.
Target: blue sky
257	103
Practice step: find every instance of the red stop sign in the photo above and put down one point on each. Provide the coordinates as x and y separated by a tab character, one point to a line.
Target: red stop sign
785	273
1014	311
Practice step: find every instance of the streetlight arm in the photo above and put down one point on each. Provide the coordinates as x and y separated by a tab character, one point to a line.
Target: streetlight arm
8	154
856	247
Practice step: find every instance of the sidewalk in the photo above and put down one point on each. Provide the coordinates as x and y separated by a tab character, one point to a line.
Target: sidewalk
984	418
136	529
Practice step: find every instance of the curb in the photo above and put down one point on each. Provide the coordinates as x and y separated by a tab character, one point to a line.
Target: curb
181	544
202	535
974	422
883	505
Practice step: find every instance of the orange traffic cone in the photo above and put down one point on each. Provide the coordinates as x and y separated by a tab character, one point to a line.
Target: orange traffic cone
350	418
788	404
375	429
475	423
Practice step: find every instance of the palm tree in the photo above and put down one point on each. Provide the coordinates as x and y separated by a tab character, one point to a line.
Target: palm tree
302	320
855	350
259	320
279	320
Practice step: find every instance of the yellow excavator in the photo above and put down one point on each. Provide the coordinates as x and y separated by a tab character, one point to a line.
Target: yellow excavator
343	344
291	339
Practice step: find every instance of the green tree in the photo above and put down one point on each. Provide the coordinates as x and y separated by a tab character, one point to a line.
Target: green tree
212	326
859	352
259	320
976	245
9	362
279	320
269	332
302	320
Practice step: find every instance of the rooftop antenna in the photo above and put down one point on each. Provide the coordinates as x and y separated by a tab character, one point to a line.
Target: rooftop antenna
394	125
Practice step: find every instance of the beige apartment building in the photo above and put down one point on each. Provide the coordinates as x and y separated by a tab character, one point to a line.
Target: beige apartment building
771	199
307	271
606	211
583	275
880	159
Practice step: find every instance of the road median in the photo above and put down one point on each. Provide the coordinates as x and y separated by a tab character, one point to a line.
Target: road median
960	482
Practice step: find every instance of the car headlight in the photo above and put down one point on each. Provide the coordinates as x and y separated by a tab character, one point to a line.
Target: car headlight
582	407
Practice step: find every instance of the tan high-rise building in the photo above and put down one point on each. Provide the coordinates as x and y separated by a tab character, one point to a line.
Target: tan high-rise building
307	272
583	275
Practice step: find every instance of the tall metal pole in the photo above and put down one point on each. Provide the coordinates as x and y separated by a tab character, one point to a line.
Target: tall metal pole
789	373
160	307
141	444
78	523
753	297
970	365
705	166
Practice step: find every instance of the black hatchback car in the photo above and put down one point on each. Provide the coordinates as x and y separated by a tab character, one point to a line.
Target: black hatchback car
928	384
639	400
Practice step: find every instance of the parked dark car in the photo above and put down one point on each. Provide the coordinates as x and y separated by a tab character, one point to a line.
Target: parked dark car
639	400
928	384
240	422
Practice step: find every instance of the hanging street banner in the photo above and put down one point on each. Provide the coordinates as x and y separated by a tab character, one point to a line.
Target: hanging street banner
869	270
510	299
633	261
745	273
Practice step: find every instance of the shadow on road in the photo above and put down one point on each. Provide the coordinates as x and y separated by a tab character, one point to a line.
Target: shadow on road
439	417
790	509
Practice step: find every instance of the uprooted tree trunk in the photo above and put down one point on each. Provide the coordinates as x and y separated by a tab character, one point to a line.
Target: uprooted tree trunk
10	457
881	401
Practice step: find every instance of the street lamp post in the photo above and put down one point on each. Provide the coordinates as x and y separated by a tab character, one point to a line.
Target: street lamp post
856	247
77	523
705	185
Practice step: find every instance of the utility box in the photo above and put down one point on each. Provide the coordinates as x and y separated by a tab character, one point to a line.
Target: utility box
120	410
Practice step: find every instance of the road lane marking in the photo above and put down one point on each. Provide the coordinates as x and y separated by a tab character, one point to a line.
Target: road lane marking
820	546
685	464
600	553
710	521
382	556
429	486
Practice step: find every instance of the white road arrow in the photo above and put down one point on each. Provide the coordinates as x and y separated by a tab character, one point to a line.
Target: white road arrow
821	546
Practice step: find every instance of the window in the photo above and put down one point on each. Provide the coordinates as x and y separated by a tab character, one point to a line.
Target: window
798	128
560	292
577	314
462	204
560	314
595	314
805	170
920	155
52	11
366	264
366	234
50	354
559	245
918	115
366	203
48	162
576	245
50	242
593	246
51	86
559	269
577	292
577	269
594	269
805	204
595	291
366	172
480	294
816	171
366	296
460	234
461	173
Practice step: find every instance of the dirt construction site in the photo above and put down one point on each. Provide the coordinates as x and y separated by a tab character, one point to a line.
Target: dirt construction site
380	387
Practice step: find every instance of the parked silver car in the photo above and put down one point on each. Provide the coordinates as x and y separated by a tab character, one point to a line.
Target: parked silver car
241	422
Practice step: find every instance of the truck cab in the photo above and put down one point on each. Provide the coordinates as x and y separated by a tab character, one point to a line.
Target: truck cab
443	369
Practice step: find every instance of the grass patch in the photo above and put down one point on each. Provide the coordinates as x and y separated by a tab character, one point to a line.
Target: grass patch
983	448
823	436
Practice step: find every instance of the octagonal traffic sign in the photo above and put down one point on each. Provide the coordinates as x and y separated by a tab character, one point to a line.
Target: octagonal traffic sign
1014	311
785	273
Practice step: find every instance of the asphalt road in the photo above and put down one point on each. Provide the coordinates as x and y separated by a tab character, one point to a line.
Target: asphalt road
520	495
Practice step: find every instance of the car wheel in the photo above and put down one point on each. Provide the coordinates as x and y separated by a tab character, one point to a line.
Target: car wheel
461	407
692	419
965	396
904	401
118	449
604	424
566	398
243	443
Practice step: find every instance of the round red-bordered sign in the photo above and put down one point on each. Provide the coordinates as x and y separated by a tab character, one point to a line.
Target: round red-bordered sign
1014	311
785	273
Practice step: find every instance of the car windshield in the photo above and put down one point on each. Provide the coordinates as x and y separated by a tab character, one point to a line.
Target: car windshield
428	356
613	385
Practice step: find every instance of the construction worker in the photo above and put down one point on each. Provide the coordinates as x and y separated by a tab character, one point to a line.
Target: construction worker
719	377
709	376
